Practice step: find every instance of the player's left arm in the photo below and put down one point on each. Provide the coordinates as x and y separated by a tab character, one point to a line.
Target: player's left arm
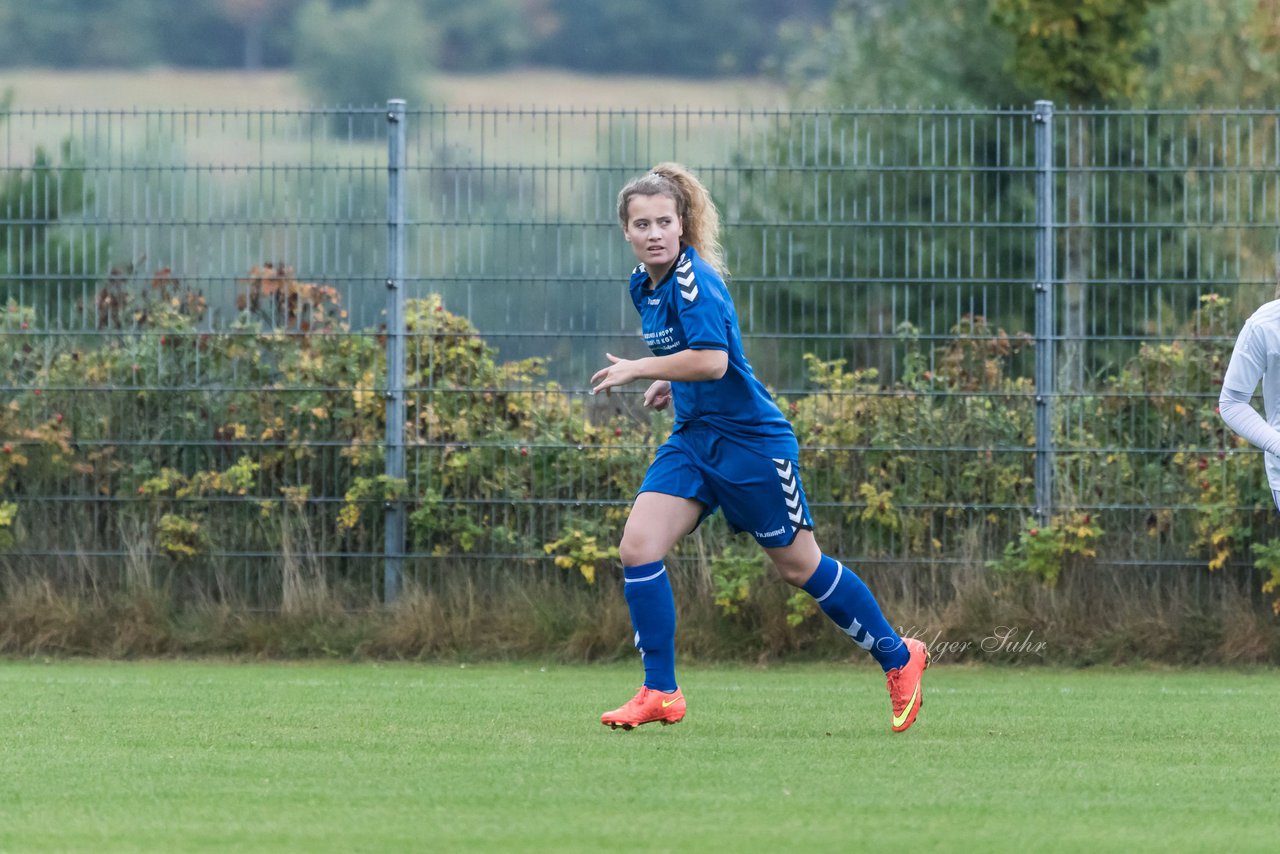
685	366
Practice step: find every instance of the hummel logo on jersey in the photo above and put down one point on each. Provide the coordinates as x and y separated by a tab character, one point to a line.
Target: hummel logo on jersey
790	490
684	278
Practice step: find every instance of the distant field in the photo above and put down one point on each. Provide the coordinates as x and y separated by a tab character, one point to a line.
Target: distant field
174	89
248	135
180	756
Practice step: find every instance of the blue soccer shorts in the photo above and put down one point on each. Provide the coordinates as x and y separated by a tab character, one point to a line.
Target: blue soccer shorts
759	495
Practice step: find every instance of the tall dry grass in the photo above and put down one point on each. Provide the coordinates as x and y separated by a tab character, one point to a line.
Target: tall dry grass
304	588
967	613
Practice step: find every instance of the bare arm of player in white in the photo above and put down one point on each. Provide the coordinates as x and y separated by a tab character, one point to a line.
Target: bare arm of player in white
1240	416
684	366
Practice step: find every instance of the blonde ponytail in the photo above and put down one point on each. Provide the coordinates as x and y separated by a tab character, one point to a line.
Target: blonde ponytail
694	206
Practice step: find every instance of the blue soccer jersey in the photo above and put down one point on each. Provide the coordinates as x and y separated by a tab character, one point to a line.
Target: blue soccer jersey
691	309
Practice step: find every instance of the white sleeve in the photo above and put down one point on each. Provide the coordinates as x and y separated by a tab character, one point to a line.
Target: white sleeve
1240	416
1248	361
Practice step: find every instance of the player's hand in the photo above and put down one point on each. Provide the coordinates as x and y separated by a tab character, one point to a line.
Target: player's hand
621	372
658	395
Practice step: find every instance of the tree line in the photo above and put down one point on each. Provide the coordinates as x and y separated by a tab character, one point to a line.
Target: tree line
711	37
985	52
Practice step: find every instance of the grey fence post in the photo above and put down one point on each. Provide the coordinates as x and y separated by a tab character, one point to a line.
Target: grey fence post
393	563
1044	305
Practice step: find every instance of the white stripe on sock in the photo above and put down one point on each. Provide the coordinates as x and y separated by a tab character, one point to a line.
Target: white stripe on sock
832	588
646	578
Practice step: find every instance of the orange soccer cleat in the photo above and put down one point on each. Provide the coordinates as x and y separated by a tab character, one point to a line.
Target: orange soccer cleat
646	707
905	689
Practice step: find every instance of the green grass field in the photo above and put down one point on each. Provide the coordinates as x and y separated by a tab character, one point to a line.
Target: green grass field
181	756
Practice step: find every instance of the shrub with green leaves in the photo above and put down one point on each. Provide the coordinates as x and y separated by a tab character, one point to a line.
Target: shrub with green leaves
267	436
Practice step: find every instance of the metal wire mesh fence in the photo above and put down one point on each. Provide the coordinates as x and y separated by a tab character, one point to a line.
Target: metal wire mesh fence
982	323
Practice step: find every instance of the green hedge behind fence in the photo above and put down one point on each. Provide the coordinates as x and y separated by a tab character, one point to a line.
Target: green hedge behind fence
247	458
193	444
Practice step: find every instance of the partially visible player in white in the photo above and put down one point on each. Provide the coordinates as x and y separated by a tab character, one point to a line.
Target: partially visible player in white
1256	359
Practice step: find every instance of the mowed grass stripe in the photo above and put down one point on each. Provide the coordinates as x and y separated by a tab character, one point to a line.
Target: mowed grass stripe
373	757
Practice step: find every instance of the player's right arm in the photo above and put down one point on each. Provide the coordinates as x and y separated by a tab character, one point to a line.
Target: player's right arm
1244	372
1238	413
683	366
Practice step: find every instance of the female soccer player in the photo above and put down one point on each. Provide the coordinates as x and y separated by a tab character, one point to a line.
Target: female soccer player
730	447
1254	360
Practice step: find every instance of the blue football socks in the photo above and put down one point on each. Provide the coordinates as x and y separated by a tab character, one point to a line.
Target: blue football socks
653	616
846	600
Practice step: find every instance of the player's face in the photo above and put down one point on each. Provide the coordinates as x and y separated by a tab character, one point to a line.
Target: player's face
654	231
